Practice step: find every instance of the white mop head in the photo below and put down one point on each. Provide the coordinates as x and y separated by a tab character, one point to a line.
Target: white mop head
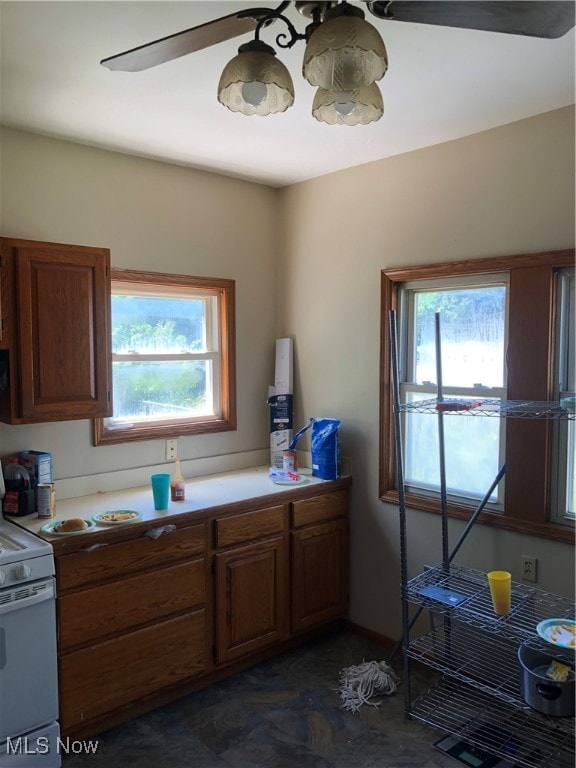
361	683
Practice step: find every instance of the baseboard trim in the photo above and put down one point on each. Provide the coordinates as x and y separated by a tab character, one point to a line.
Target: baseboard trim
375	637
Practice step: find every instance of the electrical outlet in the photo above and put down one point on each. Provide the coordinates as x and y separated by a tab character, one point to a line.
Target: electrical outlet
529	568
171	450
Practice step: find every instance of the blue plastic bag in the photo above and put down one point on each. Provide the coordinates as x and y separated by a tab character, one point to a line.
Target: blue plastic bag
325	447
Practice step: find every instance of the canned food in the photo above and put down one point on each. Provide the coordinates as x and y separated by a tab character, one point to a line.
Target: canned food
289	461
46	499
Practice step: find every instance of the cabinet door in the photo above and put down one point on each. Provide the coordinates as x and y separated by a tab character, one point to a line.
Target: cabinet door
251	598
64	331
319	574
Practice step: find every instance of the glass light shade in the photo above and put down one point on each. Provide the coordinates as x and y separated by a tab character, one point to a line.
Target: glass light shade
255	83
358	107
344	52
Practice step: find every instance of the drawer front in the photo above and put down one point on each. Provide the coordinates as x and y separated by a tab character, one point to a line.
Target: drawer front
250	526
92	614
107	562
318	509
97	680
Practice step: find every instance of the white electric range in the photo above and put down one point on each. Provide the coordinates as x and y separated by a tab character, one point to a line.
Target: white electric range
29	731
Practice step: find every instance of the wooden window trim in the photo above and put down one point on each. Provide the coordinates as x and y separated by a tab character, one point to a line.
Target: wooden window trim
530	376
227	342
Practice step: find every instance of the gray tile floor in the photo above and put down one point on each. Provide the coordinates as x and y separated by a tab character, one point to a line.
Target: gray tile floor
285	713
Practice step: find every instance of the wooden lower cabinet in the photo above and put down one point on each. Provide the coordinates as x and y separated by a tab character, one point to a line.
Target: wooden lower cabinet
144	619
132	621
251	598
320	572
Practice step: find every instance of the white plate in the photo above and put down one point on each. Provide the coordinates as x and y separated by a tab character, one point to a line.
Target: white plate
101	517
301	481
51	528
559	632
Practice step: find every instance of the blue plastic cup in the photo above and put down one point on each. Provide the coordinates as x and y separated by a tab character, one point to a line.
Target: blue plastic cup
160	490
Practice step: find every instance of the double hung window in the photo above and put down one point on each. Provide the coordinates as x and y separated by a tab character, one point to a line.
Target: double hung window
172	357
507	333
473	333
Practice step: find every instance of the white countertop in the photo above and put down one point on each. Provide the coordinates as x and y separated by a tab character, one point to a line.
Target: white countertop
202	493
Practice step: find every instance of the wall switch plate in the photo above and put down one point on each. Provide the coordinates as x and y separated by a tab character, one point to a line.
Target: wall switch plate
529	568
171	450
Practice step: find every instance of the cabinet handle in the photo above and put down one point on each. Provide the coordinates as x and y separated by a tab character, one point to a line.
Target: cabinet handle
155	533
94	547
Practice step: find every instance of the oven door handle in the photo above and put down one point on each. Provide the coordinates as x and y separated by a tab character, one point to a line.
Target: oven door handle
25	602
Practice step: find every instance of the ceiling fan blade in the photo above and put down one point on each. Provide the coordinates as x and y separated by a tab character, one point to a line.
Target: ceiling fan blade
181	43
547	18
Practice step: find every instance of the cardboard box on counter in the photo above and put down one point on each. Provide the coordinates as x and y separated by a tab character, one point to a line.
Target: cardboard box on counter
39	466
281	431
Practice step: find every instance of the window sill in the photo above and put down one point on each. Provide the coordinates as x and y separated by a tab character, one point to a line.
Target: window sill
553	531
160	431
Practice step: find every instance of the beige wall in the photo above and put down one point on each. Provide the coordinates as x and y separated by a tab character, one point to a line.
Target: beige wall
152	216
307	263
505	191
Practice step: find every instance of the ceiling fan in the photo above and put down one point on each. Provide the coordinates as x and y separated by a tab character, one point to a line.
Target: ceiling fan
257	83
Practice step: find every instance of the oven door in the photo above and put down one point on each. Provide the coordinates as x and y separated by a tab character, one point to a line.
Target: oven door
28	660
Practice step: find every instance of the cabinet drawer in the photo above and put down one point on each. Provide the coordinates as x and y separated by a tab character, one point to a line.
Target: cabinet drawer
111	609
318	509
97	680
250	526
91	566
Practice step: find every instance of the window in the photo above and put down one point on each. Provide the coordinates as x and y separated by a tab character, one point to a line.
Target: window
501	338
473	325
172	357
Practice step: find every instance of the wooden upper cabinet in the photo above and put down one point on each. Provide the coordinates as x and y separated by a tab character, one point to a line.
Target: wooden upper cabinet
56	341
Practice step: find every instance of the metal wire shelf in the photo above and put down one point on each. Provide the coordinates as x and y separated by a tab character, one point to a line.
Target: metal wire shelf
481	720
516	409
486	663
530	606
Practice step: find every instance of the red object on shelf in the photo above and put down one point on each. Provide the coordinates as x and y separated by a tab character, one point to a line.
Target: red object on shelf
457	405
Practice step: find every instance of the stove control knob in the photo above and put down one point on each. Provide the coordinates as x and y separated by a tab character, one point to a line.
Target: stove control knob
2	578
22	571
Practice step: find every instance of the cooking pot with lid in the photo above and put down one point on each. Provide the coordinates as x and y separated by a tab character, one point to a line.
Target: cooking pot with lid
545	695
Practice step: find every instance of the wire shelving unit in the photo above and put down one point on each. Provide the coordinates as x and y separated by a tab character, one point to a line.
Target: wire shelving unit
477	695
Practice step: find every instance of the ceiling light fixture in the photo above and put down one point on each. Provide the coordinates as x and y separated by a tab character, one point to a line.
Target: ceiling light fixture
255	82
345	51
358	107
344	56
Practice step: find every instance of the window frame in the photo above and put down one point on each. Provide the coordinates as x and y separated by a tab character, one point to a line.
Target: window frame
564	432
226	364
531	367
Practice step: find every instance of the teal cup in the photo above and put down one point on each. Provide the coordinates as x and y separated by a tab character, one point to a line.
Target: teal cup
160	490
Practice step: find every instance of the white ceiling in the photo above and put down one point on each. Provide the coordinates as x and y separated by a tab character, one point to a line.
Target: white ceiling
442	84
